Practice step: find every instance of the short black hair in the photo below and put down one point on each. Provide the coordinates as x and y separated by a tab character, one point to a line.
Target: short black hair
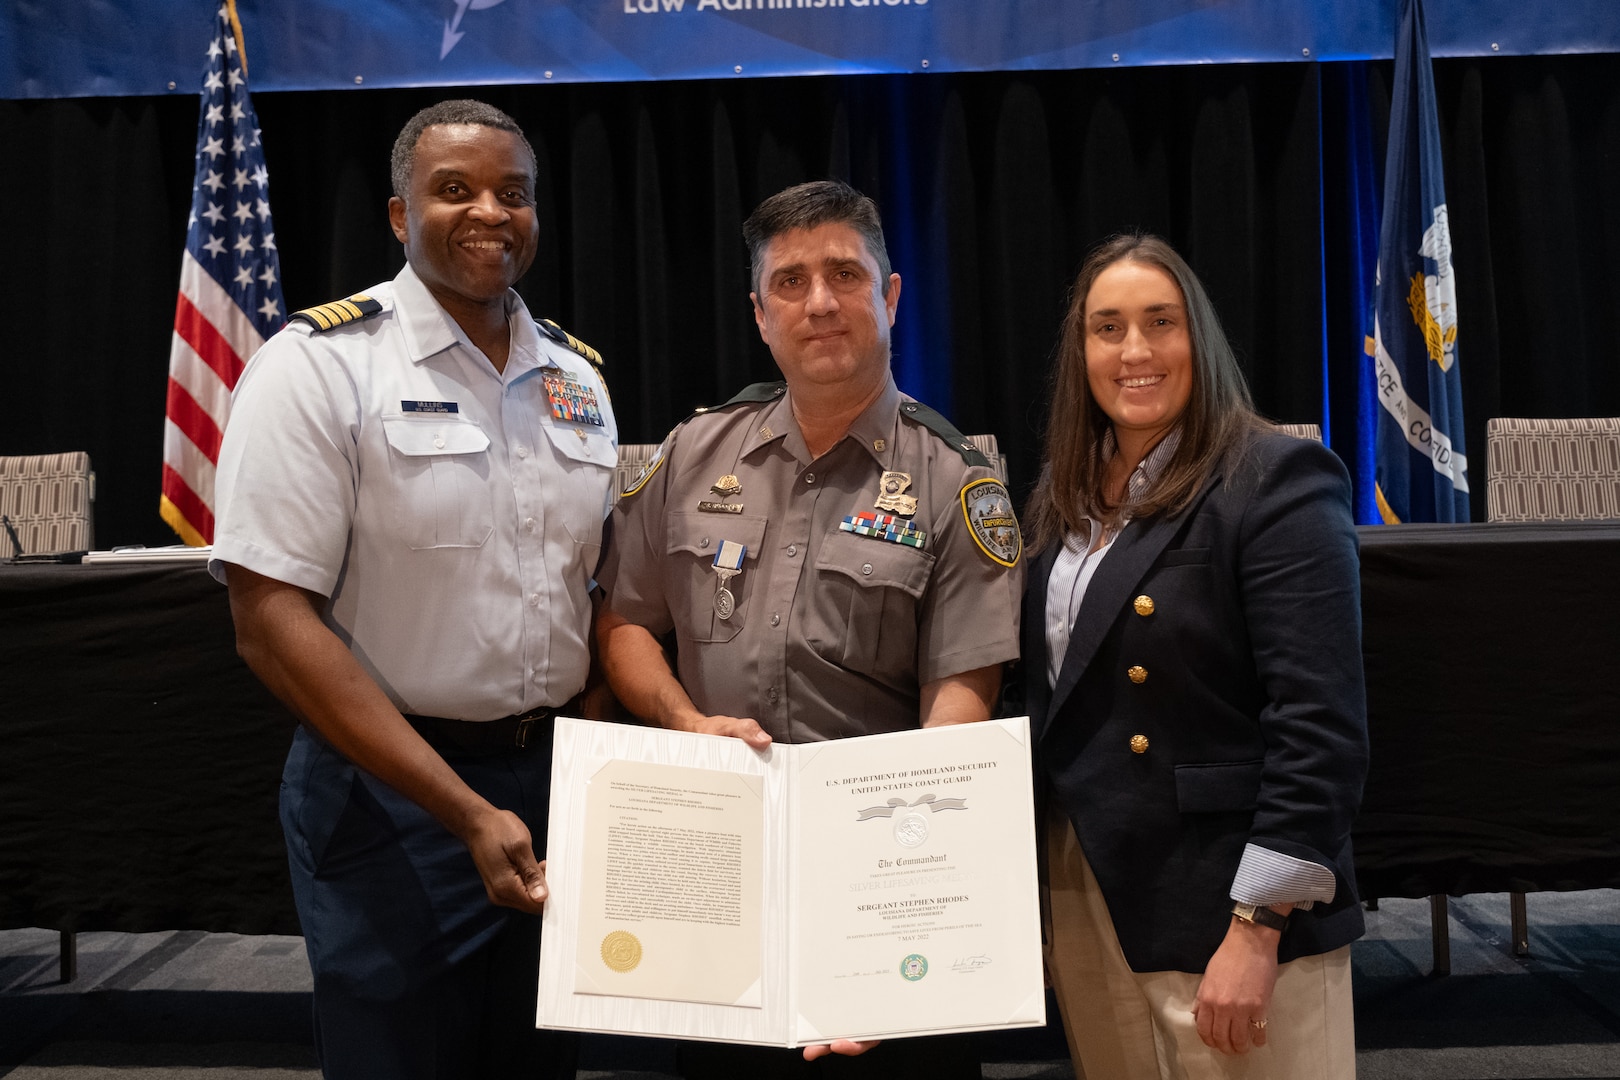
806	206
455	111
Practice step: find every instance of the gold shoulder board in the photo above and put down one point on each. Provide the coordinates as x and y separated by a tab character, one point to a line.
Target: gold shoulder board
338	312
568	341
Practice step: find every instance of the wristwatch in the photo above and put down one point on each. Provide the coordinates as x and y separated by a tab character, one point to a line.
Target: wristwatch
1260	916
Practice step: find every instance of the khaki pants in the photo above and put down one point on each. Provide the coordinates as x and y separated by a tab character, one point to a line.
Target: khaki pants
1126	1025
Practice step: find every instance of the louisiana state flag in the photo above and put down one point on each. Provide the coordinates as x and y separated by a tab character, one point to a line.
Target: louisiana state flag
1422	466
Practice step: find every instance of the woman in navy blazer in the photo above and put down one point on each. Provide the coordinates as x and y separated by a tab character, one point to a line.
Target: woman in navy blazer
1192	650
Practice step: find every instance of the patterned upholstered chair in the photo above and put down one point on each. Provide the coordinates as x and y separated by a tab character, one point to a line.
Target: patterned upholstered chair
1552	470
633	457
1302	431
49	500
998	461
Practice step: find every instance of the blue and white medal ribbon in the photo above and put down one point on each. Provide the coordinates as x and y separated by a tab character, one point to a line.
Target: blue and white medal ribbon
727	564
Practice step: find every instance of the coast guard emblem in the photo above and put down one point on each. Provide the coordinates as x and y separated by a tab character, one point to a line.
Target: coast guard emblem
988	510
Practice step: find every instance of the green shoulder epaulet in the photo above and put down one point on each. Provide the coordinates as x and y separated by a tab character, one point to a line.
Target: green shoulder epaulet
928	418
568	341
748	395
758	392
327	316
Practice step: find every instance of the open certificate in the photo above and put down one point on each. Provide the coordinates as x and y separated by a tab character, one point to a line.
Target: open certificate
864	888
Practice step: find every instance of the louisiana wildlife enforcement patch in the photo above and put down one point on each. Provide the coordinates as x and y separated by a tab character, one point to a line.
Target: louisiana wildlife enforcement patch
988	510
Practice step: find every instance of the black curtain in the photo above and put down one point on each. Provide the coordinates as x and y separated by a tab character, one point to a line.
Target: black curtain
993	187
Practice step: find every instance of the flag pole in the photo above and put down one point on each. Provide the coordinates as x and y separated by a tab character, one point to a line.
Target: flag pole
236	32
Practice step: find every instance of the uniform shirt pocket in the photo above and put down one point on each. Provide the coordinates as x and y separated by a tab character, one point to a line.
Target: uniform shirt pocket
864	606
590	458
691	541
440	465
582	442
1222	787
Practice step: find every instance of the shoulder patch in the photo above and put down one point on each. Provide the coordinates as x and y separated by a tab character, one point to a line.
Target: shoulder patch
647	470
757	392
933	421
987	508
568	341
325	317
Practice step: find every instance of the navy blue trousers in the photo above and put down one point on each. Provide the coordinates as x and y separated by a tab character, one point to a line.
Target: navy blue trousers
417	975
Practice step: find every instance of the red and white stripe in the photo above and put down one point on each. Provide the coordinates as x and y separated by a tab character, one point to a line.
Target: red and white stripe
213	339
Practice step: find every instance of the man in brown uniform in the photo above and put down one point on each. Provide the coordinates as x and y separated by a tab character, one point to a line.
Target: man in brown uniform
831	557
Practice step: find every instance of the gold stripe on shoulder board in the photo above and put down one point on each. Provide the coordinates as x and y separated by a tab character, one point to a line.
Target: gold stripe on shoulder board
328	316
583	349
563	337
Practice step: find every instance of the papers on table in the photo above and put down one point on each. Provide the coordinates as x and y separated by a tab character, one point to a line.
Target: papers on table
179	553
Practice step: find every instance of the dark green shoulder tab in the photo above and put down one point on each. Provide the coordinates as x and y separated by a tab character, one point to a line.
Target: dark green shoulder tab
928	418
748	395
568	341
329	316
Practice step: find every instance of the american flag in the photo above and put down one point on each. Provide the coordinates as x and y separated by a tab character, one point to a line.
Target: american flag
230	285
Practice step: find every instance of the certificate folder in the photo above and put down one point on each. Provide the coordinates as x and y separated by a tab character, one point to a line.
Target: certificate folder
865	888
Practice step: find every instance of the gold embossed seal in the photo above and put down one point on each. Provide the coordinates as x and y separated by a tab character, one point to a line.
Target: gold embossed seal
621	950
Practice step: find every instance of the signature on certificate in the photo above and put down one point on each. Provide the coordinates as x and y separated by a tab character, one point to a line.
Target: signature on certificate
971	963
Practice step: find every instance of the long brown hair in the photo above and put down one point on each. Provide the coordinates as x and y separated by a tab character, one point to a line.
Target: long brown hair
1219	413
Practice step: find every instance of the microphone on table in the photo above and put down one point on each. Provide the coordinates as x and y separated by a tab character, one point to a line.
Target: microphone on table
16	543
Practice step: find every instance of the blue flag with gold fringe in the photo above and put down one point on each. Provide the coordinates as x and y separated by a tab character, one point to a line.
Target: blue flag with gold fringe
1422	463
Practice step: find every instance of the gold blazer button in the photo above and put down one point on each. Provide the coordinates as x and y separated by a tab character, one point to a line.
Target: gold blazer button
1138	674
1143	604
1139	744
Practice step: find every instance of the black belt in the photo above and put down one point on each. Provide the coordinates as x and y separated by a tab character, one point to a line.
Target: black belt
511	733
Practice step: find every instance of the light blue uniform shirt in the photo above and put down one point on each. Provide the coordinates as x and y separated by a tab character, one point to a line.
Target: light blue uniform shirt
452	516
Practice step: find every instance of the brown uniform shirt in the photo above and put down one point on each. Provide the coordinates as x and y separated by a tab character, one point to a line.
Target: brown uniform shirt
832	632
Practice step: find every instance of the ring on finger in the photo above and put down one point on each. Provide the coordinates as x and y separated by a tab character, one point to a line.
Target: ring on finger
1258	1024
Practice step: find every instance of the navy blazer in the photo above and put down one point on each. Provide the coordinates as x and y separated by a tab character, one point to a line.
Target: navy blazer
1240	620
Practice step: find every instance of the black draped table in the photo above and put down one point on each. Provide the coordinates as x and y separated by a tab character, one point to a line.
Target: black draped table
1493	707
141	759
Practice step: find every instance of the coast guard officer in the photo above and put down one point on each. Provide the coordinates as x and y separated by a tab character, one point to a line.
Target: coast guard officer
412	490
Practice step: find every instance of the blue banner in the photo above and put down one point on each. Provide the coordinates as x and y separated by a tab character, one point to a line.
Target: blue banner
117	47
1422	464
